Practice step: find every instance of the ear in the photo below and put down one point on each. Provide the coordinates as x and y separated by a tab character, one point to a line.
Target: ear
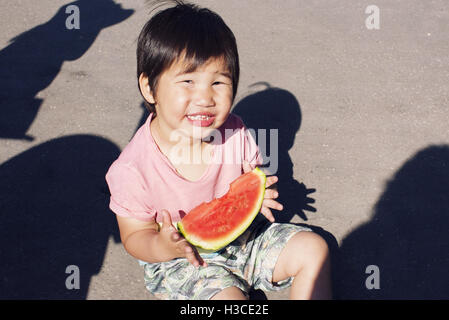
145	88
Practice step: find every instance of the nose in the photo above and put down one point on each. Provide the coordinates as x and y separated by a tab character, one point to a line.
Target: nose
204	97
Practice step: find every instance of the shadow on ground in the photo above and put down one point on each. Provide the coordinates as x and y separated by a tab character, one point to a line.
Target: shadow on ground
275	108
34	58
278	110
407	238
54	213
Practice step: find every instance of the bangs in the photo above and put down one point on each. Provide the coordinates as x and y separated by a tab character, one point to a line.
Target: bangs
197	41
191	64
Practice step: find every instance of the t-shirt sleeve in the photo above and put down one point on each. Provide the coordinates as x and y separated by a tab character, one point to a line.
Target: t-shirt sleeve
128	193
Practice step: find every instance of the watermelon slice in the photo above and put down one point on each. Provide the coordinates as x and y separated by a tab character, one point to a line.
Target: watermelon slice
213	225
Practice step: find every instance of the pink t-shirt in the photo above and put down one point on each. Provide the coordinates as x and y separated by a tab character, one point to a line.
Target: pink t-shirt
142	181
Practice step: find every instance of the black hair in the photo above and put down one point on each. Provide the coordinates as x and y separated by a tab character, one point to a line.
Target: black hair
185	29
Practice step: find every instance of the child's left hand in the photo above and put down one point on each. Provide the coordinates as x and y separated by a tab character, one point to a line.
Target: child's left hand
270	195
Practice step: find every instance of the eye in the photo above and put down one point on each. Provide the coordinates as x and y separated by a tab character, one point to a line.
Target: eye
185	81
218	82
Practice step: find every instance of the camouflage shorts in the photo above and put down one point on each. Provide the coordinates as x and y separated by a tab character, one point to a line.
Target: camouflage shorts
248	262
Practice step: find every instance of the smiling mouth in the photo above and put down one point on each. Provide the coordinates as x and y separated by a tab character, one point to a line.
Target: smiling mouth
201	120
198	117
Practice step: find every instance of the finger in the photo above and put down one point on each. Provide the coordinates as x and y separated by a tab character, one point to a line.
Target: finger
246	167
200	259
270	181
191	256
273	204
267	213
186	250
176	236
271	194
166	219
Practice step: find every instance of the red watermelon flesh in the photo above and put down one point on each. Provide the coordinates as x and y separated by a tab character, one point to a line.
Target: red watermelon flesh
213	225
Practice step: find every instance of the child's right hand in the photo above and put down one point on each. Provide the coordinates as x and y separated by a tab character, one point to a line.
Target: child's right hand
176	244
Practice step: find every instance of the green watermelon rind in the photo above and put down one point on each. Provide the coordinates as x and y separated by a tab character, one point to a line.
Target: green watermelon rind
209	247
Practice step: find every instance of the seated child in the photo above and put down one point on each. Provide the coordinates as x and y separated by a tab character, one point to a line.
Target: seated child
188	72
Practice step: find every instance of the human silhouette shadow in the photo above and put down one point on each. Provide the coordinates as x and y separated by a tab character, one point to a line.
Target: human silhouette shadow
274	108
407	238
54	213
34	58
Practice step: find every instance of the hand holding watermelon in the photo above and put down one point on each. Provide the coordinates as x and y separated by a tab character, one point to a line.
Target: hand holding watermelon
270	195
175	245
212	225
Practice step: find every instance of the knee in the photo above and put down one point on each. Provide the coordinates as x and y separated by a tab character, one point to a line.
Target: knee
304	251
318	244
314	249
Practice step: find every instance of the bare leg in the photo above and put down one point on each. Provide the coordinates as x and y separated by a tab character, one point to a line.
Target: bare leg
306	258
230	293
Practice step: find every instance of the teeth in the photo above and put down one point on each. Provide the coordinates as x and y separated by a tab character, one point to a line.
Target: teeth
198	117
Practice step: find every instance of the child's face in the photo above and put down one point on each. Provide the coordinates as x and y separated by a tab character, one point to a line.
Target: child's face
193	103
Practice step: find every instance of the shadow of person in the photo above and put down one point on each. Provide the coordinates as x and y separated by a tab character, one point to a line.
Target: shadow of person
33	59
407	238
278	110
53	214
